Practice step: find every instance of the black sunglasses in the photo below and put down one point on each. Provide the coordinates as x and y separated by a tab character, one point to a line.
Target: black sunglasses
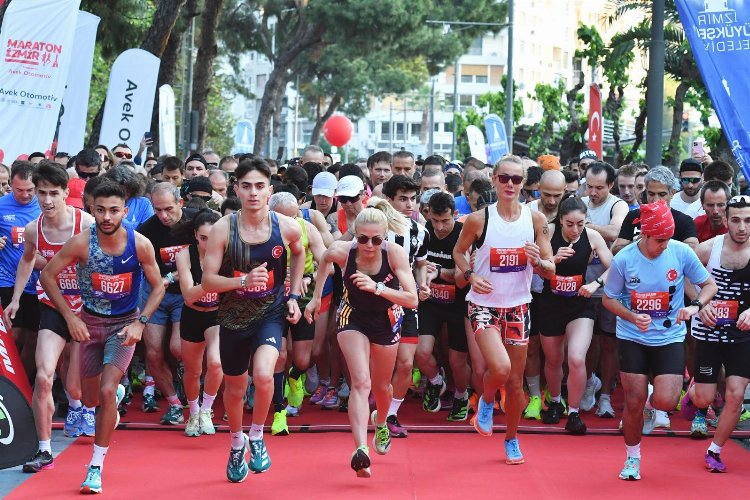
690	180
363	239
349	199
504	178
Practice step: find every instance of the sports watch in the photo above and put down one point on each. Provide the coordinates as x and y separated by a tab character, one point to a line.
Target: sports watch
379	287
143	319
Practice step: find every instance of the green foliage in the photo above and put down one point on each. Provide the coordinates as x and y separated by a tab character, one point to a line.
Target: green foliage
594	49
220	125
555	113
99	83
712	135
698	98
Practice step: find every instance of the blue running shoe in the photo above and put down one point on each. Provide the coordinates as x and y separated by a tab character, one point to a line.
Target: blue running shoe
88	423
93	482
632	469
237	469
260	461
73	422
483	419
513	455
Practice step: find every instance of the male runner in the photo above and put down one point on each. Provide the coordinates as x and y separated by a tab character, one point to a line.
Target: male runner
245	261
645	290
691	180
512	242
630	185
110	258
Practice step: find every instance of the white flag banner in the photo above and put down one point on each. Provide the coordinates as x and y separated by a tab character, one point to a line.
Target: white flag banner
76	99
167	132
37	48
475	138
130	98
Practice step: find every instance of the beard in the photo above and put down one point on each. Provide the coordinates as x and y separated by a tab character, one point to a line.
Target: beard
115	228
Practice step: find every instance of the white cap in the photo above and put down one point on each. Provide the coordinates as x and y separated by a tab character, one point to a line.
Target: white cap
349	185
324	184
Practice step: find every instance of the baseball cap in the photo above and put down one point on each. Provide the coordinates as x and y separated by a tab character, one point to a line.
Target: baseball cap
349	185
199	184
196	157
324	184
587	154
691	165
75	193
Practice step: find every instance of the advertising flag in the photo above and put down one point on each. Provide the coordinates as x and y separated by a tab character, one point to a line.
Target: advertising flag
497	139
167	132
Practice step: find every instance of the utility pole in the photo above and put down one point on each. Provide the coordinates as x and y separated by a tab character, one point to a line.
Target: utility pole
187	92
655	102
455	108
390	125
431	145
509	81
405	125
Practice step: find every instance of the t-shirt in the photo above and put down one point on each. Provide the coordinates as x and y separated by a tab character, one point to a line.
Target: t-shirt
462	205
654	287
166	246
684	227
695	209
704	229
13	219
139	211
687	208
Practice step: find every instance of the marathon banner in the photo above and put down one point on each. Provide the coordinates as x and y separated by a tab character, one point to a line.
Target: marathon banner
76	98
37	49
596	130
719	35
130	98
167	131
497	139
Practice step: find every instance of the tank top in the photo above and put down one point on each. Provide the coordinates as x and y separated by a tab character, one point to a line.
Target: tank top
601	216
239	309
67	280
110	284
732	299
502	260
208	299
569	273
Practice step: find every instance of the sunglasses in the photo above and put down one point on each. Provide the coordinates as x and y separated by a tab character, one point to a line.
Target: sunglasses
123	154
504	178
350	199
212	165
534	193
363	239
690	180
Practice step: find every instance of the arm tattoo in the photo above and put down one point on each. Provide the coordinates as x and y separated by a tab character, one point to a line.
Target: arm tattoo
545	229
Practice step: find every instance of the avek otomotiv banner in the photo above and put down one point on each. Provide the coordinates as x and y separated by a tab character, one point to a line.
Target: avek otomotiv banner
37	48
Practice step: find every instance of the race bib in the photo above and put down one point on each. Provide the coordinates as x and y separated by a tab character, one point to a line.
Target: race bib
566	286
396	317
727	311
112	287
16	235
169	254
655	304
507	260
257	291
442	293
68	282
209	299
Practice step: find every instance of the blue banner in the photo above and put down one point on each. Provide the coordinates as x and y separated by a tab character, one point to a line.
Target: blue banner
497	139
719	35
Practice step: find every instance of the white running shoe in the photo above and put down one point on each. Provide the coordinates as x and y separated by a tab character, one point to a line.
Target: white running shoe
661	419
588	400
604	408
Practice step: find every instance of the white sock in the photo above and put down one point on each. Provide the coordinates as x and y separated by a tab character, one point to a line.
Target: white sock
45	446
208	401
90	409
174	400
714	447
256	432
150	386
97	459
556	399
73	403
238	441
572	410
604	396
193	407
460	394
395	405
633	451
437	380
533	383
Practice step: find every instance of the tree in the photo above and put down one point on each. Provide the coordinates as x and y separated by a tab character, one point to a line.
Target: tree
204	65
546	132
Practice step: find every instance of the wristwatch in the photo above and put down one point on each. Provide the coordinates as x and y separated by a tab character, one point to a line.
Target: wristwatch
143	319
599	281
697	303
379	287
438	267
243	281
294	296
468	273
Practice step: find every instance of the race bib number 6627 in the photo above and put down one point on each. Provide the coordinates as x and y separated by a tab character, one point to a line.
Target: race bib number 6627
112	287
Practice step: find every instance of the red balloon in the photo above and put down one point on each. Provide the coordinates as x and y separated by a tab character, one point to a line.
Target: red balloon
2	154
338	130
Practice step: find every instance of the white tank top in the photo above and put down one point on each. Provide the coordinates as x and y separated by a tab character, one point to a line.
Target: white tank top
601	216
502	260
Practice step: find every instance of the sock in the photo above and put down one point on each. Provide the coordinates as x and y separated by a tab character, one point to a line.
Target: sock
238	441
633	451
714	448
45	446
90	409
278	391
533	383
572	410
395	405
208	401
702	411
97	459
437	380
604	396
295	372
73	403
256	432
555	399
173	400
193	407
460	394
150	386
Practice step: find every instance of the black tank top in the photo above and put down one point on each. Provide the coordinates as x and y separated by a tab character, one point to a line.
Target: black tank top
209	299
362	301
570	272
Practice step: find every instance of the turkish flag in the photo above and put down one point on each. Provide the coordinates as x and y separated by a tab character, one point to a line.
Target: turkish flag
595	119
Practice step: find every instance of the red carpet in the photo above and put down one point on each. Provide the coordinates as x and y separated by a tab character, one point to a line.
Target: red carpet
435	466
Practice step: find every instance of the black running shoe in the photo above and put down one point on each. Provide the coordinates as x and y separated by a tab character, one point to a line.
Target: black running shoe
361	462
575	425
41	461
432	393
553	413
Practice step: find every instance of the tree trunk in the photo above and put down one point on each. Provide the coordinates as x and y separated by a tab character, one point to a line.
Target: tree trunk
335	103
276	130
614	107
204	65
674	140
640	125
568	143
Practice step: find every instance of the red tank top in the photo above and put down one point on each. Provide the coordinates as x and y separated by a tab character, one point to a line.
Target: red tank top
67	279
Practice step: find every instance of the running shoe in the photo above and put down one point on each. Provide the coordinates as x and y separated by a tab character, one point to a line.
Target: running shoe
483	419
296	391
206	423
361	461
149	403
395	428
649	420
279	427
260	461
632	469
237	469
88	423
714	463
446	401
553	413
42	460
292	411
687	408
593	385
318	395
533	410
699	427
473	402
312	381
431	400
128	394
344	390
459	410
331	399
93	482
343	405
416	377
662	419
193	427
73	422
604	408
173	416
575	425
513	455
119	396
382	439
250	397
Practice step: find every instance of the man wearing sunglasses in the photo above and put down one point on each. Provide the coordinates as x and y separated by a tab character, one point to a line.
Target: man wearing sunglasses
691	180
122	152
512	243
349	192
